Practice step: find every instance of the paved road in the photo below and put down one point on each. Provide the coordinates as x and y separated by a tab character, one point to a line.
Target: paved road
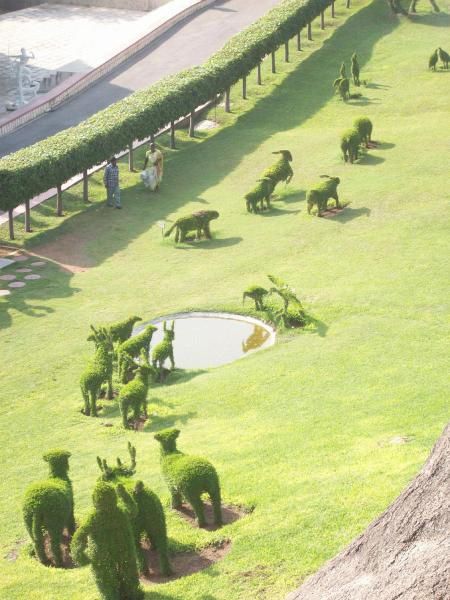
185	45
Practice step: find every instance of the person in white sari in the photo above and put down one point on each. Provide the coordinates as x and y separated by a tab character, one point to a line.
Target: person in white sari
153	168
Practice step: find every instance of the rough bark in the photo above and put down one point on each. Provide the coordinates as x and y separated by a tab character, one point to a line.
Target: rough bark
402	555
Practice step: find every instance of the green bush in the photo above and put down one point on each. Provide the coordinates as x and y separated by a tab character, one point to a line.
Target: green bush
260	192
143	506
133	394
256	293
131	349
364	127
350	143
198	222
106	541
98	371
36	169
189	477
319	194
48	507
164	350
281	170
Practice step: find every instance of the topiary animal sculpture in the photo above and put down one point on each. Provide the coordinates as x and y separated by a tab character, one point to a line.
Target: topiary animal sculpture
444	57
107	536
144	507
98	371
350	143
48	507
198	222
355	70
189	477
281	170
133	395
164	350
319	194
257	294
342	71
342	86
131	349
122	330
262	191
364	127
432	61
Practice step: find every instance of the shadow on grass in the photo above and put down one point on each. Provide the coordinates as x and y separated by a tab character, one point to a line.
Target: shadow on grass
209	244
157	423
369	160
385	146
348	214
433	19
274	211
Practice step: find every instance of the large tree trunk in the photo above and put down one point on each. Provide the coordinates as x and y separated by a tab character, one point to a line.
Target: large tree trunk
402	555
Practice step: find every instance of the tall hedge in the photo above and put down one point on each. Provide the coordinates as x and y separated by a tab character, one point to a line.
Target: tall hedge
53	161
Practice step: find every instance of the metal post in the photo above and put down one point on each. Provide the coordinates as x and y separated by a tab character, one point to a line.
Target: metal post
244	87
85	186
11	223
227	100
286	51
27	216
258	77
299	41
172	135
274	70
59	206
309	32
130	157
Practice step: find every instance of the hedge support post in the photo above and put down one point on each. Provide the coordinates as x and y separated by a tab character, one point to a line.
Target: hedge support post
322	20
152	138
191	124
85	186
309	32
130	157
258	76
59	205
274	69
286	51
172	135
299	41
244	87
347	5
11	223
333	12
27	216
227	100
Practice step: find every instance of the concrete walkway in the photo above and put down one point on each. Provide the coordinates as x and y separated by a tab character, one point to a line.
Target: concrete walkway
185	45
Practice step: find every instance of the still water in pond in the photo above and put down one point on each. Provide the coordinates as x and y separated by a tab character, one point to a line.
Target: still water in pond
210	341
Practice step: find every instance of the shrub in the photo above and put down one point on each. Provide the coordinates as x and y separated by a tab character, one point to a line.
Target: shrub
198	222
364	127
188	477
319	194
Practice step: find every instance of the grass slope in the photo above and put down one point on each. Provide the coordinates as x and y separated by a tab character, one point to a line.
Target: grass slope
301	431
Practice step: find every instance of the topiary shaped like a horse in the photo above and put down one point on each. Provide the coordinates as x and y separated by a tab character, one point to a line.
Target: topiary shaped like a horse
198	222
189	477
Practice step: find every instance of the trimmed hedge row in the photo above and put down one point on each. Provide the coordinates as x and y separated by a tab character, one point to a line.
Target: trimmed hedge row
53	161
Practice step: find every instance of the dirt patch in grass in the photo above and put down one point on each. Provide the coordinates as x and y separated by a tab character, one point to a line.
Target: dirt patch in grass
68	251
13	554
230	514
184	563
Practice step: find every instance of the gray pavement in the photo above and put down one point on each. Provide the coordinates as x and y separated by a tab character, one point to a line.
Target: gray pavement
185	45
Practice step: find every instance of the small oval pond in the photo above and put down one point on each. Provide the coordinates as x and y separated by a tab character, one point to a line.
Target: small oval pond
204	340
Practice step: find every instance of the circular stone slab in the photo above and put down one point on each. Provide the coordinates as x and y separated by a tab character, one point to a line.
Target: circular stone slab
17	284
7	277
24	270
19	258
4	292
33	276
38	263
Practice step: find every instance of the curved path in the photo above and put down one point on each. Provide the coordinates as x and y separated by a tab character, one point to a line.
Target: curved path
185	45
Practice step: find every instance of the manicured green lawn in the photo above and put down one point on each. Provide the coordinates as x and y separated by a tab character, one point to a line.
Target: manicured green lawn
301	431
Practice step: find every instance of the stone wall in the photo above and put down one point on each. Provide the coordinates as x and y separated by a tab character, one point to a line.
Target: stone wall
143	5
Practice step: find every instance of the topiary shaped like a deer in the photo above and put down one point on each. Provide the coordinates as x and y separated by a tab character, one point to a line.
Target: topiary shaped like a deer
130	349
48	507
133	394
189	477
164	350
281	170
144	508
98	371
106	541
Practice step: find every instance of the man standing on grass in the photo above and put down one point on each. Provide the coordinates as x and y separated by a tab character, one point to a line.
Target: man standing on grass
111	181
